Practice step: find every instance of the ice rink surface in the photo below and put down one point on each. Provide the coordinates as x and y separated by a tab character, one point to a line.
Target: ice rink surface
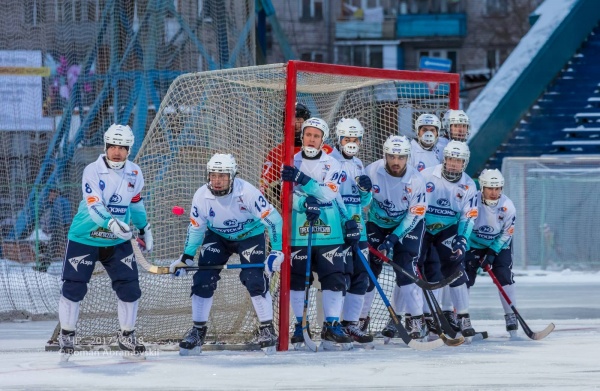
568	359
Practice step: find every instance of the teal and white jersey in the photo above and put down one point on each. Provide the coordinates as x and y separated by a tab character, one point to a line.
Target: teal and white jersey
327	177
117	190
494	226
449	203
421	158
241	214
398	203
354	199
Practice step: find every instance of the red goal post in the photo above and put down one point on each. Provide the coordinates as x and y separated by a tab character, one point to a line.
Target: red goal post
296	68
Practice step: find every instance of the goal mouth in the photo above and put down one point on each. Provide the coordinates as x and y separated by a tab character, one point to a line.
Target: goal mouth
241	111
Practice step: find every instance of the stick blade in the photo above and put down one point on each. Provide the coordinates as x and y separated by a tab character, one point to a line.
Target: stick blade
425	346
448	341
542	334
309	343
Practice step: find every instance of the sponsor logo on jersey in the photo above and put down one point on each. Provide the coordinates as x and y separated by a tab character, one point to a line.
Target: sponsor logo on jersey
231	229
208	247
418	210
429	187
388	206
326	167
435	226
319	227
440	211
76	261
485	236
486	229
332	186
351	200
230	223
102	233
411	237
194	222
420	166
330	254
119	210
376	189
443	202
511	230
448	242
102	184
265	213
115	199
464	187
92	200
343	177
407	189
354	189
128	261
251	251
134	172
473	213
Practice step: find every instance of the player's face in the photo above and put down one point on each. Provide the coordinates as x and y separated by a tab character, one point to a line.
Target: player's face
426	128
396	164
313	137
347	140
116	153
218	180
492	193
298	124
458	132
454	164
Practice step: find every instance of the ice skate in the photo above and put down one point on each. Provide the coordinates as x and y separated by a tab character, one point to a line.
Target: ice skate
465	325
416	328
363	323
66	341
451	318
128	343
267	339
354	331
297	339
333	337
431	330
191	344
511	324
389	331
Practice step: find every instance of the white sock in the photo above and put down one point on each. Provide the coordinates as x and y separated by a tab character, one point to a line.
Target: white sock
460	298
367	303
127	314
511	293
297	303
68	313
263	307
201	308
353	304
332	304
446	299
412	299
396	298
437	293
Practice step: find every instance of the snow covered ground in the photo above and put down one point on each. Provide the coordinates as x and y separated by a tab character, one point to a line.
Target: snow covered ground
567	359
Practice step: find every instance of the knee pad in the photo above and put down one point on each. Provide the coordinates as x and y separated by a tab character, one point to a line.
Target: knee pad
74	290
359	283
127	291
205	283
333	282
254	280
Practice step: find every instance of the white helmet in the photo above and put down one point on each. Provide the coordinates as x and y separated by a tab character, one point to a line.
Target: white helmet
222	163
445	126
320	124
118	135
428	139
349	127
458	117
396	145
492	179
459	150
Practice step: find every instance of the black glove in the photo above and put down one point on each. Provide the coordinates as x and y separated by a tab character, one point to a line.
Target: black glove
388	244
459	248
313	210
292	174
488	259
352	235
364	183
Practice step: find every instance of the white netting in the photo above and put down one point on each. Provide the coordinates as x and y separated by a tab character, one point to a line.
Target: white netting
556	201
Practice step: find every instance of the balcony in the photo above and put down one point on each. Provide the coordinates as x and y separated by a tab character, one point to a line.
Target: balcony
360	29
431	25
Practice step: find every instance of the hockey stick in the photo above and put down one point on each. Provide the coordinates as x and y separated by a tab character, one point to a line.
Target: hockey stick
401	330
531	334
437	314
307	341
421	283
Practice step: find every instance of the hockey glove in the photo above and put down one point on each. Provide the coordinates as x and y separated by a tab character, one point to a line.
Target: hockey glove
273	262
120	229
292	174
352	234
388	244
488	259
177	268
459	248
313	211
146	236
364	183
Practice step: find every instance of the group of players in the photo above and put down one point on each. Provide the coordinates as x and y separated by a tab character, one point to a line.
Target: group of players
416	204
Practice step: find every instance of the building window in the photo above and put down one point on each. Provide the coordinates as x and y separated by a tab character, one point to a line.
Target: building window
34	12
312	56
440	53
311	10
360	55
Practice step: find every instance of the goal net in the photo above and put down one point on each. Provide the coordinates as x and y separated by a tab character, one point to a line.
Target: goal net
555	198
241	111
